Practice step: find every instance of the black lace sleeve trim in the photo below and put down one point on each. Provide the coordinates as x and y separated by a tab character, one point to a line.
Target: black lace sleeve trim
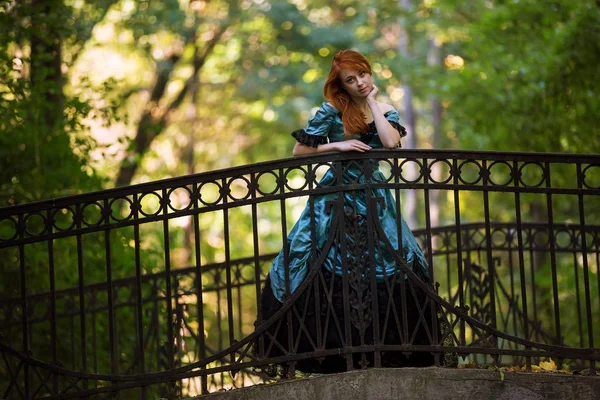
308	140
399	128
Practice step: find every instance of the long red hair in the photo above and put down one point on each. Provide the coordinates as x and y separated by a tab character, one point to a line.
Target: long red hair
353	118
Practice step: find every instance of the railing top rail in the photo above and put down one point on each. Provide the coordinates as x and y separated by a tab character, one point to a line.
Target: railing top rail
380	154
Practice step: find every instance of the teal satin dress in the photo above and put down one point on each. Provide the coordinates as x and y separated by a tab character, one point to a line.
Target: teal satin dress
326	126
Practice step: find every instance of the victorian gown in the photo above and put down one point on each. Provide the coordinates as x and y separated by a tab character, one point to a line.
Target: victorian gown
325	300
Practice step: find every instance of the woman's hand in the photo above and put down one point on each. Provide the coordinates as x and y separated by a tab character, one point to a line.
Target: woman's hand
372	94
347	145
353	145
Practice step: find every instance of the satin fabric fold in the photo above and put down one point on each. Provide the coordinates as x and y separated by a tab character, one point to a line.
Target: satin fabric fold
300	238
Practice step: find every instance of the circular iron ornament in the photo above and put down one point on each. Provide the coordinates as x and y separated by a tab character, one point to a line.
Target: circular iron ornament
114	212
562	242
465	164
239	188
288	172
499	237
432	166
179	198
496	167
147	209
319	172
540	239
589	174
57	224
204	193
387	166
6	231
30	224
521	174
89	215
265	183
247	273
408	163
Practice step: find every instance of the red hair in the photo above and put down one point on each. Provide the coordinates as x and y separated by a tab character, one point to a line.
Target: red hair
353	118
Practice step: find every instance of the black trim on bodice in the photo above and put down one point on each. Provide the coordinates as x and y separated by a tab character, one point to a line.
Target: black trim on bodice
372	131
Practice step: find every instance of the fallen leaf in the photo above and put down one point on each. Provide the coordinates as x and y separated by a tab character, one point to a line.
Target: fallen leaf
548	365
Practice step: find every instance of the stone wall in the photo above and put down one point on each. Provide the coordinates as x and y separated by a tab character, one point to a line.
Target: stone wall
423	383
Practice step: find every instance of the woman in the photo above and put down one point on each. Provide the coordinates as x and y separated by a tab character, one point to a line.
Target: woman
334	266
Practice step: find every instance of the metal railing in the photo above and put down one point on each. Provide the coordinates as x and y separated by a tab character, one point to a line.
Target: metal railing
154	290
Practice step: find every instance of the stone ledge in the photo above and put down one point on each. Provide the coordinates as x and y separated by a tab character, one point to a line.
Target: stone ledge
423	383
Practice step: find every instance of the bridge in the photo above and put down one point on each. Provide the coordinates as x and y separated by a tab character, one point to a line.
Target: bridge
153	290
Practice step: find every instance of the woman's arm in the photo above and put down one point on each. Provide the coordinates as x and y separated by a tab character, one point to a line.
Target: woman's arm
389	136
347	145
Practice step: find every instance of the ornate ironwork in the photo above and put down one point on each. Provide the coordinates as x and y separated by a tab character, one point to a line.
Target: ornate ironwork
358	272
96	301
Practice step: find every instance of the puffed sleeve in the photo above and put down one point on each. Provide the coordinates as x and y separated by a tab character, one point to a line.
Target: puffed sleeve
394	119
317	129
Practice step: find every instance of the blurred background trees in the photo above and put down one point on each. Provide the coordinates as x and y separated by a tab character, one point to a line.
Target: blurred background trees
106	93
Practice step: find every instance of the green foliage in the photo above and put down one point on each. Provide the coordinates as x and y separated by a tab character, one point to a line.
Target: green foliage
44	145
528	67
529	81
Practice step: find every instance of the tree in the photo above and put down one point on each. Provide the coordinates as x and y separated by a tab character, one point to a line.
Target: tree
155	115
45	147
527	82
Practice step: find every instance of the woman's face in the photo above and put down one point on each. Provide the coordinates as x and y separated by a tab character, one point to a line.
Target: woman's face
357	83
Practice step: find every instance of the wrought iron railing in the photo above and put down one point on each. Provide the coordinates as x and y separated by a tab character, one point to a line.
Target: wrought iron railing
154	290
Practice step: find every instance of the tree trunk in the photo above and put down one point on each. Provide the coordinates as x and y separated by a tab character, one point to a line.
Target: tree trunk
154	120
46	60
